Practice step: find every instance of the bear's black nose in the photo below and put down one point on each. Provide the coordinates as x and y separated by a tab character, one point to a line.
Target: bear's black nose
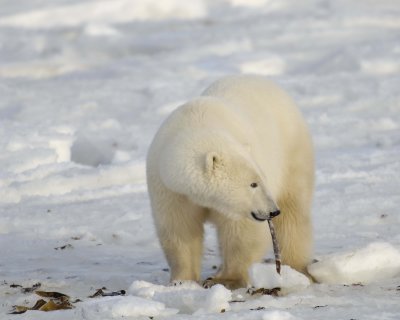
274	213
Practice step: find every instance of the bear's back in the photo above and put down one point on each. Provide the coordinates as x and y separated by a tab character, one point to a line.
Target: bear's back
255	98
251	110
202	113
276	122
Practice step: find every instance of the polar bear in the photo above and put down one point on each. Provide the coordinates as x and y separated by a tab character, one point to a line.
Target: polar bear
236	156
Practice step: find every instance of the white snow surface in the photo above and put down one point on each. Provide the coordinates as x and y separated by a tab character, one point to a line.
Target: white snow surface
84	85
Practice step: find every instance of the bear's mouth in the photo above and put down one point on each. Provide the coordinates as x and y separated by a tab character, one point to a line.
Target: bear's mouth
258	218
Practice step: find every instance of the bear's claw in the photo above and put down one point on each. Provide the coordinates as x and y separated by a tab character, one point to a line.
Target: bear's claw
176	283
230	284
208	283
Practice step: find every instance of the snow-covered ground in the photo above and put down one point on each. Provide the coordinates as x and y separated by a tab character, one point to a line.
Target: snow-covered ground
84	85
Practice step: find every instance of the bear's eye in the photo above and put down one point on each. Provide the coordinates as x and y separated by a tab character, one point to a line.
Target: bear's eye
254	185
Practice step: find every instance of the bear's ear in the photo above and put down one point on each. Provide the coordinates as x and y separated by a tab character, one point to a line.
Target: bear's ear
213	160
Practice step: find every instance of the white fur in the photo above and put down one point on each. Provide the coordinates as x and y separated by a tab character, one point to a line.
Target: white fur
243	129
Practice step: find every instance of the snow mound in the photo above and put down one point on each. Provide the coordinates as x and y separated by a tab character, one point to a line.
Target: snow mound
265	276
92	151
188	298
377	261
148	290
75	180
121	307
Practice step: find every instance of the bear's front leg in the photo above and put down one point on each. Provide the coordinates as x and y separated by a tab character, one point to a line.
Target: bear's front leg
183	254
242	243
179	225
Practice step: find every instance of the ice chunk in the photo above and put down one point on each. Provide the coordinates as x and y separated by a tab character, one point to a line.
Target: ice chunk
265	276
129	306
216	300
377	261
188	298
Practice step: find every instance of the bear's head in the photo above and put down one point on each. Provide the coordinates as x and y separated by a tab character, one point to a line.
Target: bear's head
216	172
235	187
